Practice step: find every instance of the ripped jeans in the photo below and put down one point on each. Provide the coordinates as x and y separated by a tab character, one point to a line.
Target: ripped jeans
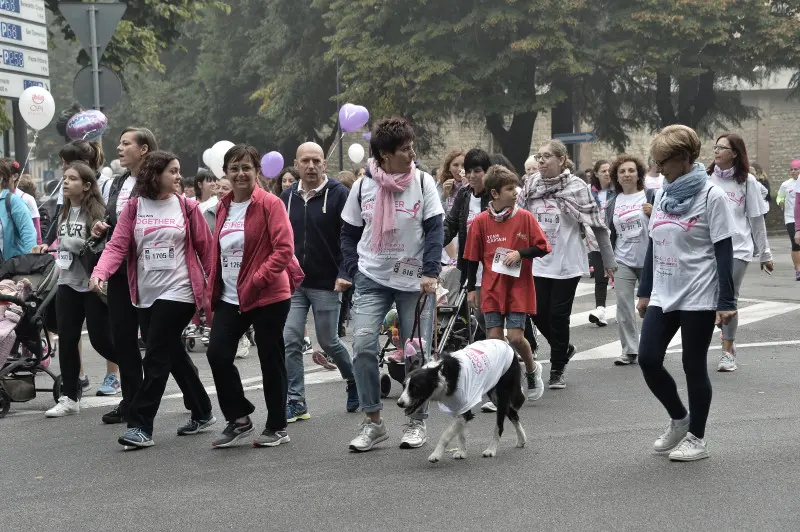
371	302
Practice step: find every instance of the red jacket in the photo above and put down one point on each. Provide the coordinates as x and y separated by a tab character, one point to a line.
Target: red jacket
268	251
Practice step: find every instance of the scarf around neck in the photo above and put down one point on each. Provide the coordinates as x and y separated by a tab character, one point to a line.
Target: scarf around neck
570	192
679	195
503	215
726	175
384	220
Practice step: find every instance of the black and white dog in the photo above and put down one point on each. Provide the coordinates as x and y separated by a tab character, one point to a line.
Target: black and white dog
458	381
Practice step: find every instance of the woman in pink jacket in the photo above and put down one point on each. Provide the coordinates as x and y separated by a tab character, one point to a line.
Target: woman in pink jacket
168	246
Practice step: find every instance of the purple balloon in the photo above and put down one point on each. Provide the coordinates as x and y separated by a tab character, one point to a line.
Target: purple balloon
271	164
353	117
87	125
367	136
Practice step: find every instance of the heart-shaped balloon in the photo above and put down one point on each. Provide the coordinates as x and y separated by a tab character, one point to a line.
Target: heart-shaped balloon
87	125
353	117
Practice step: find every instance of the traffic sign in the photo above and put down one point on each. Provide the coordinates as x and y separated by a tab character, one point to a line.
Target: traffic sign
31	10
22	33
576	138
12	85
77	15
110	88
25	61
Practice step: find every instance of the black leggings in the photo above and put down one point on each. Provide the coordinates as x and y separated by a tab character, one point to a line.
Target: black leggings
229	325
554	298
696	327
125	334
162	324
72	307
600	279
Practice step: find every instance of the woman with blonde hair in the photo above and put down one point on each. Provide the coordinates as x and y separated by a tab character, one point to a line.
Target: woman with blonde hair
687	284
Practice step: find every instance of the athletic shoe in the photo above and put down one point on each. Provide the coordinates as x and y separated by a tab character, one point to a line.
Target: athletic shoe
307	347
352	396
571	352
535	383
625	360
797	275
115	416
676	432
193	426
110	386
342	331
414	435
690	449
243	349
136	438
319	358
557	380
396	356
296	410
233	433
369	435
271	438
64	407
598	317
489	406
727	362
84	382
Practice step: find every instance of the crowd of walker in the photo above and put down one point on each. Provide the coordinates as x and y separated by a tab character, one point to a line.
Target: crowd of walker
251	252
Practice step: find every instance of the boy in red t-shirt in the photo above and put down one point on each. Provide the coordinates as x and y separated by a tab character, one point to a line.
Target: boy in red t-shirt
506	239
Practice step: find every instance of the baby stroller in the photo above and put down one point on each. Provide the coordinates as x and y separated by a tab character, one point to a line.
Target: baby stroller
32	348
455	329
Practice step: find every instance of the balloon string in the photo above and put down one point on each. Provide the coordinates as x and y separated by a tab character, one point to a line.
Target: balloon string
335	144
28	158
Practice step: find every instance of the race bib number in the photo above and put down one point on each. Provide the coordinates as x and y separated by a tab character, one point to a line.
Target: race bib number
498	265
231	264
406	270
549	219
160	258
64	260
631	230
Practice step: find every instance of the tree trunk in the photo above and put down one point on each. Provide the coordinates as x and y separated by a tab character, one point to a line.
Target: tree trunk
562	116
515	142
664	99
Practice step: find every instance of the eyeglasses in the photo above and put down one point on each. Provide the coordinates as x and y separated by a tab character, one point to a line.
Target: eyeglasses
660	164
543	157
719	148
246	168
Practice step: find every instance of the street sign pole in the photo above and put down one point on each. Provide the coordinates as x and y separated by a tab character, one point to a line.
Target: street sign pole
95	59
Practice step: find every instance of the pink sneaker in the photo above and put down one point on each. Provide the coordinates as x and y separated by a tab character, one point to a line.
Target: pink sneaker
320	359
396	356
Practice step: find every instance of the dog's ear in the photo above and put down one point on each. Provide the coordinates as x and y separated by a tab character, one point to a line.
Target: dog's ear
433	364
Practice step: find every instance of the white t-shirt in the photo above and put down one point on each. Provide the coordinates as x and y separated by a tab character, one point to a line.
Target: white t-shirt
788	189
569	257
684	263
160	234
104	184
474	211
653	182
210	203
29	201
125	193
630	223
745	203
482	365
231	244
399	264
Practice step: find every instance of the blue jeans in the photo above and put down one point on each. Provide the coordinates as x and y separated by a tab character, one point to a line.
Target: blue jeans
371	302
325	304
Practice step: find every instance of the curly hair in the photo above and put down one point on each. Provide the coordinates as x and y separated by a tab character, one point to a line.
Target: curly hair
93	203
389	135
149	175
621	159
444	173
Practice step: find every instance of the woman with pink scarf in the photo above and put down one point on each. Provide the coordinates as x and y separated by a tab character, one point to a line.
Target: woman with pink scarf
392	240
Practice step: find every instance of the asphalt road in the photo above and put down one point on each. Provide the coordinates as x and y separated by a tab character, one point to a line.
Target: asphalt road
589	463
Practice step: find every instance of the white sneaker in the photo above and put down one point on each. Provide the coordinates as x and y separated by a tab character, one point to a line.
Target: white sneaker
727	362
414	435
535	383
598	317
690	449
488	406
676	432
65	407
243	349
369	434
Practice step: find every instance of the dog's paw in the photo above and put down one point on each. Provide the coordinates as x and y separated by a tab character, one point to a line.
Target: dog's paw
489	453
459	454
520	444
434	457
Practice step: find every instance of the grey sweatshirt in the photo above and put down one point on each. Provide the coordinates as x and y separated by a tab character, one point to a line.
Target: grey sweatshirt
72	234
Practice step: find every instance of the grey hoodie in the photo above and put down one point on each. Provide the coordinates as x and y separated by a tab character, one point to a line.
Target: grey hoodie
72	234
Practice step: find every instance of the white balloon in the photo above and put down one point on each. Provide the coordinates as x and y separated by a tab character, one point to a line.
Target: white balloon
356	153
222	147
218	152
37	107
108	172
208	157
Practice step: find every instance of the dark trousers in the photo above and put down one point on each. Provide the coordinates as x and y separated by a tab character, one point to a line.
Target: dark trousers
125	334
600	279
162	325
72	307
696	327
554	299
229	325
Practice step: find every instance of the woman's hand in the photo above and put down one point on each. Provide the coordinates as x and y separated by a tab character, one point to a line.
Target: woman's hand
768	266
512	258
428	285
99	229
642	305
725	316
610	274
96	285
41	248
447	186
647	209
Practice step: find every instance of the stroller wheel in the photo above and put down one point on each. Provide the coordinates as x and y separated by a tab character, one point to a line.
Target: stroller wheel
386	385
190	343
5	404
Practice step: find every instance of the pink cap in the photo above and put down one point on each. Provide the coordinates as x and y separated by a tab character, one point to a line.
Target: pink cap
795	164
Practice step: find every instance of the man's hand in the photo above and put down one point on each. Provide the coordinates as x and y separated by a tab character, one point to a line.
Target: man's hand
472	299
96	285
428	285
642	305
99	229
725	316
768	266
512	258
342	285
41	248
